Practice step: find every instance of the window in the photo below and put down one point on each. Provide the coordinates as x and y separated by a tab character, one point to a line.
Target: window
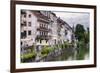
24	23
55	41
40	25
66	32
29	23
29	15
40	40
40	32
21	43
43	25
46	26
44	33
23	34
29	32
46	41
24	15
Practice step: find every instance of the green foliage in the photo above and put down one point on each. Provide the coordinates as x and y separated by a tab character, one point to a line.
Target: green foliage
79	31
63	46
46	50
82	50
28	55
56	46
86	38
60	45
83	41
66	44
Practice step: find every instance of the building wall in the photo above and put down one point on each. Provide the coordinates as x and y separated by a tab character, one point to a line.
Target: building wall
32	24
54	29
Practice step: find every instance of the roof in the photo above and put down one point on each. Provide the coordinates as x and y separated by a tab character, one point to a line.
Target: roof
40	15
53	14
59	20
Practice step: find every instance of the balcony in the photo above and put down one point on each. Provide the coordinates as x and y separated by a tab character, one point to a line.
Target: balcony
59	34
44	20
43	37
43	29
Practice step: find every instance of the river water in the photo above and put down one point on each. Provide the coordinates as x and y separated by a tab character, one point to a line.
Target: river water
68	54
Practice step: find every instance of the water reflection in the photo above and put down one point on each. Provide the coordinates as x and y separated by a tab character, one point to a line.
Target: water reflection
68	54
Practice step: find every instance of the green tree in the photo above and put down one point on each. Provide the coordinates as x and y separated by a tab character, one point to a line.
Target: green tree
87	36
79	32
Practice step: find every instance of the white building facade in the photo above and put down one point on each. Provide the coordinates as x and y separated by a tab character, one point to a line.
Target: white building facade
43	28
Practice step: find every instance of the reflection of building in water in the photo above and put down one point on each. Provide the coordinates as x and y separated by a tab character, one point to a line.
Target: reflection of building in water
43	28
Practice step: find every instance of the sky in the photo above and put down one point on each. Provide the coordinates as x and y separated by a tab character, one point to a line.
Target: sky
74	18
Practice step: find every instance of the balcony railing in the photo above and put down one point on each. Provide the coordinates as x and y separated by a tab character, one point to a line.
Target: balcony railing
43	37
43	29
44	20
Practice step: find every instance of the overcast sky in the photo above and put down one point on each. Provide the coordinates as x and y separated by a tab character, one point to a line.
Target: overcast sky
73	18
